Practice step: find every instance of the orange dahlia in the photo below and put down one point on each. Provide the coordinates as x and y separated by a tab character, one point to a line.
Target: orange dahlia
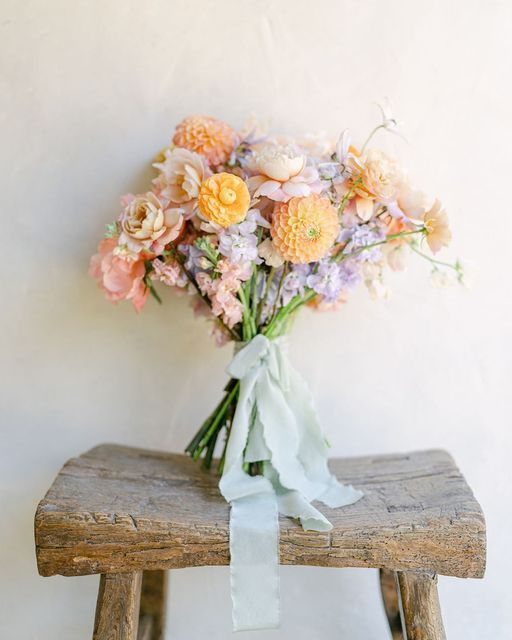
224	198
212	138
304	229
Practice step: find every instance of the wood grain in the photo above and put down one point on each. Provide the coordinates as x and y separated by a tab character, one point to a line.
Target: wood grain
117	609
420	606
122	509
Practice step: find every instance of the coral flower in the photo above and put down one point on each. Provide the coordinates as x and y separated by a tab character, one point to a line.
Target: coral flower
436	224
120	278
224	199
212	138
304	229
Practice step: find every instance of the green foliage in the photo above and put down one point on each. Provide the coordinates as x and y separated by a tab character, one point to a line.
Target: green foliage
112	230
205	245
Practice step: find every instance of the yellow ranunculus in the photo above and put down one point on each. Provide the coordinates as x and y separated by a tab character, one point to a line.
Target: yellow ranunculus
224	198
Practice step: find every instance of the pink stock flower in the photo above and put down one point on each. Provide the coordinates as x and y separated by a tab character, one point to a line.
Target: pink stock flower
221	293
220	336
234	271
120	278
170	273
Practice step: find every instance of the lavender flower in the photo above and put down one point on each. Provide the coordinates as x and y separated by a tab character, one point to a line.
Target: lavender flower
350	273
331	278
238	248
295	282
361	236
194	257
327	281
238	243
271	292
252	221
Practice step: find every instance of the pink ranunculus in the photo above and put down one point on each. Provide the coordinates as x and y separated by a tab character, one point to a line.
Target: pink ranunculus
120	277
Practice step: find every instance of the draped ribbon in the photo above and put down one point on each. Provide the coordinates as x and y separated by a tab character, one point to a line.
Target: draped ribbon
274	422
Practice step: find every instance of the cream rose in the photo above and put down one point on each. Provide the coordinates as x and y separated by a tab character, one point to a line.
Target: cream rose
147	225
181	175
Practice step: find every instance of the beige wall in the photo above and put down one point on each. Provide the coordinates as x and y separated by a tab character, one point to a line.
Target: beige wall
89	92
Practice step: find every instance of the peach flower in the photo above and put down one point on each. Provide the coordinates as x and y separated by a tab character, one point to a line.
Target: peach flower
181	174
147	225
412	202
224	199
269	253
381	177
119	277
304	229
212	138
436	225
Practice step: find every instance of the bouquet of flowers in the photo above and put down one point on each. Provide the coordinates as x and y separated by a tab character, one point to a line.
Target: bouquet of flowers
255	227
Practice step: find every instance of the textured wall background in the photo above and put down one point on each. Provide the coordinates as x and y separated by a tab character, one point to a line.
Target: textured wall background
90	90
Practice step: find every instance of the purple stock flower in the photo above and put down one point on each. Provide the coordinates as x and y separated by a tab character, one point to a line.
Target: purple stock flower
238	243
295	282
327	281
361	236
193	255
350	273
239	248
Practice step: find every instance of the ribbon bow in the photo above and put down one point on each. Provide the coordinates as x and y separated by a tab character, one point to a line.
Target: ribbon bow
274	422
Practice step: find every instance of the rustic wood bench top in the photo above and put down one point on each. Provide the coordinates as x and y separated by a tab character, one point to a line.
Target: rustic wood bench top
120	509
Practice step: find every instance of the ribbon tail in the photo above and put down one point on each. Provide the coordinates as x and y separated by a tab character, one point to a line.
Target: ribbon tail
294	505
313	447
254	548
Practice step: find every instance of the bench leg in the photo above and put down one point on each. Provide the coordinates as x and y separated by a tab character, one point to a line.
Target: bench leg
117	609
388	588
419	604
152	605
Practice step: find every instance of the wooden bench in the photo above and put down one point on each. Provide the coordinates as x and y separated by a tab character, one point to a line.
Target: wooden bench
130	514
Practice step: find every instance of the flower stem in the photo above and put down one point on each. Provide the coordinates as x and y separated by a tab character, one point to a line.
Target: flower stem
341	257
216	423
270	277
433	261
278	294
372	133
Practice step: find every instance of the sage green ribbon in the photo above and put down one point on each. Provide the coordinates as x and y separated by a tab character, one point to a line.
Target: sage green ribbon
274	422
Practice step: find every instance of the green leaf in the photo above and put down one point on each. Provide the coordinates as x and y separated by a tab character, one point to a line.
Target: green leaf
112	230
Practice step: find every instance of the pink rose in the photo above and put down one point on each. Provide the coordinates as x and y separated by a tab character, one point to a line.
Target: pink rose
120	277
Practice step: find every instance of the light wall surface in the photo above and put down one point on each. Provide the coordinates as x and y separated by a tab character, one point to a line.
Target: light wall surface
89	92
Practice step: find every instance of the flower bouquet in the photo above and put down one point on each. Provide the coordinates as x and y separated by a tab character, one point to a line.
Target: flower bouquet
254	228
